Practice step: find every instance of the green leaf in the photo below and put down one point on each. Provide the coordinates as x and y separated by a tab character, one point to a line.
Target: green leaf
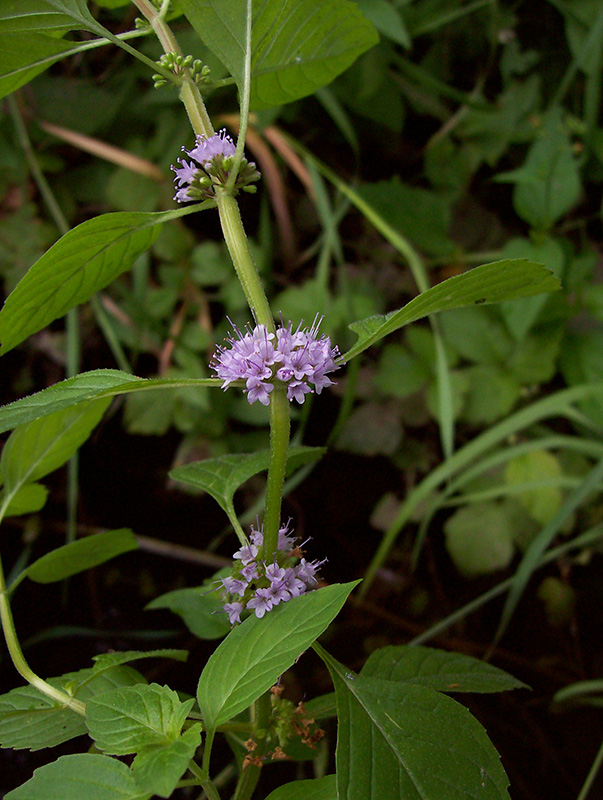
490	283
541	502
25	55
87	386
297	45
402	740
199	608
437	669
159	770
31	720
61	15
37	448
29	498
317	789
105	661
83	261
387	19
221	477
74	777
127	720
548	184
479	539
251	658
81	555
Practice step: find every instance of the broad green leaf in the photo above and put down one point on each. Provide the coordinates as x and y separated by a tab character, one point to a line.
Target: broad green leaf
221	477
62	15
402	740
437	669
199	607
317	789
479	538
490	283
31	497
127	720
297	45
105	661
37	448
159	770
25	55
387	19
541	502
251	658
79	776
83	261
81	555
31	720
89	385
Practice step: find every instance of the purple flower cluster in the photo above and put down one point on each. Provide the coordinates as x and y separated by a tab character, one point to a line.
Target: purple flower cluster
258	586
211	160
299	359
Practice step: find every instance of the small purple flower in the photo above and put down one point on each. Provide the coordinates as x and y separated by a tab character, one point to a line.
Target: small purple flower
299	359
207	148
246	553
292	583
274	573
234	612
234	585
261	602
306	571
250	572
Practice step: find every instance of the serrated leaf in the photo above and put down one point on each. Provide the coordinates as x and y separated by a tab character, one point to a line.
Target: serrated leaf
83	261
402	740
251	658
127	720
490	283
317	789
73	777
105	661
81	555
297	45
199	607
37	448
30	720
87	386
437	669
29	498
159	770
221	477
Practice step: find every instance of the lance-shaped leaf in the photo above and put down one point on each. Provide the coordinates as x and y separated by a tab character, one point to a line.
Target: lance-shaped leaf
402	740
490	283
78	556
251	658
31	497
297	45
221	477
201	608
83	261
78	776
88	386
437	669
27	15
37	448
25	55
105	661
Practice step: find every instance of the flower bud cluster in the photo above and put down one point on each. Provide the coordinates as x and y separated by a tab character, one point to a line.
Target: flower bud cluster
177	63
258	586
212	159
299	359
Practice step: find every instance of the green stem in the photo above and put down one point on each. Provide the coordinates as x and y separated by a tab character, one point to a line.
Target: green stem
280	428
205	781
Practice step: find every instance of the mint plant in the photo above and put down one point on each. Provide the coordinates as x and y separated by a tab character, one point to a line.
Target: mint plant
399	733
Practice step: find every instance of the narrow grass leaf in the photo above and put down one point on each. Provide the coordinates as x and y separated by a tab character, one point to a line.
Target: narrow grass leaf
81	555
251	658
437	669
74	777
91	385
37	448
490	283
83	261
297	45
402	740
317	789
